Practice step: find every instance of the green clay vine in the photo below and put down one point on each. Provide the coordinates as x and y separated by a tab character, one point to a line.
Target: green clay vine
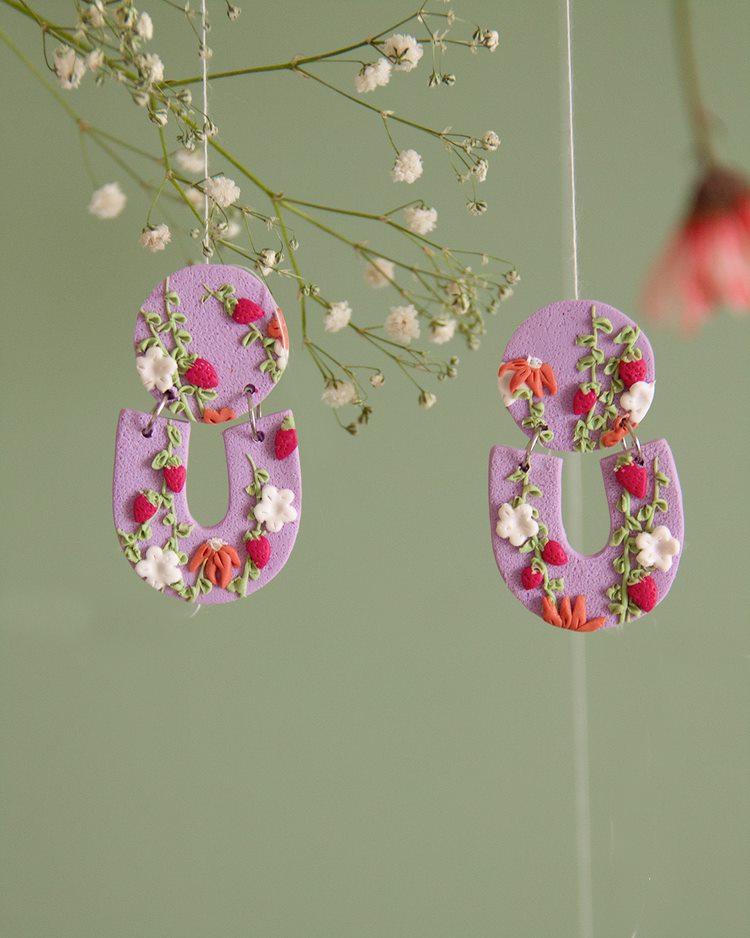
593	422
225	295
250	571
535	418
535	545
630	571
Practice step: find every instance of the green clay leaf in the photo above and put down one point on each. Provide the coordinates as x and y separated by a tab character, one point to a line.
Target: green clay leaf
587	341
546	436
603	324
182	529
556	585
517	476
526	548
618	537
175	437
624	503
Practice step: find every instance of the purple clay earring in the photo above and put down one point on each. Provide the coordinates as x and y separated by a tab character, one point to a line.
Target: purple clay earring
579	375
210	344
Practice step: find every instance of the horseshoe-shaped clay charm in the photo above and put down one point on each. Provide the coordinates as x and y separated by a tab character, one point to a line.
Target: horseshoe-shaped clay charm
579	375
210	341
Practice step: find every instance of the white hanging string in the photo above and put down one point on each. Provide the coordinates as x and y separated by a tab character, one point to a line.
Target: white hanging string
578	642
204	84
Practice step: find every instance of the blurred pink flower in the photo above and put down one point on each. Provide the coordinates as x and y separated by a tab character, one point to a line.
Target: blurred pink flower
706	265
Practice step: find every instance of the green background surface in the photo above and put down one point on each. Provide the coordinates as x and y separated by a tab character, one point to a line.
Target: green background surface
379	744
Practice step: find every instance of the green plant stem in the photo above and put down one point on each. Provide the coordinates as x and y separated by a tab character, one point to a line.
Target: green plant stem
700	116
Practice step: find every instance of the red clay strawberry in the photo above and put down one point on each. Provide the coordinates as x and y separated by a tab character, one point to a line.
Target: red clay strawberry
259	551
246	311
633	478
531	578
286	438
202	374
143	509
582	403
174	476
632	372
644	594
553	554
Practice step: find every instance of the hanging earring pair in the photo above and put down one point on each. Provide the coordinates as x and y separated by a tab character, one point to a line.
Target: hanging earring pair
210	345
579	376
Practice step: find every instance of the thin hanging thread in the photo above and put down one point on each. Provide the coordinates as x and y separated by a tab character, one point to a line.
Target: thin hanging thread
578	647
206	124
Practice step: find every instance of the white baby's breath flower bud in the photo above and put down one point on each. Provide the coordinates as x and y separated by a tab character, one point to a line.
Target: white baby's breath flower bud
407	167
373	75
427	400
205	53
95	60
338	393
442	330
151	67
476	207
125	16
185	96
449	79
69	67
490	39
223	191
434	80
479	170
159	118
378	379
490	141
337	317
155	238
141	98
402	324
195	197
107	201
266	261
93	15
144	27
233	12
379	272
505	293
512	277
420	219
403	51
190	162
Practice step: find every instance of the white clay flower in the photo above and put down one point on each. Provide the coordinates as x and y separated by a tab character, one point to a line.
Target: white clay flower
657	548
275	509
427	400
490	141
420	220
403	51
223	191
338	393
637	399
516	524
155	238
442	330
156	369
503	386
337	317
69	67
402	324
374	75
190	162
107	201
144	27
407	167
379	272
266	261
159	568
281	352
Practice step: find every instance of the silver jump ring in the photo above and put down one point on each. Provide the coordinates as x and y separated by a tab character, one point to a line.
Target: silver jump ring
539	429
255	413
167	397
637	443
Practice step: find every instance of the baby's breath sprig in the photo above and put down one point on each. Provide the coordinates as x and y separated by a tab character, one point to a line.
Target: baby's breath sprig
433	291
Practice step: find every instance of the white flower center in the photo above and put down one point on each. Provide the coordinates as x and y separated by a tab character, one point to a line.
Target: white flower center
534	362
216	543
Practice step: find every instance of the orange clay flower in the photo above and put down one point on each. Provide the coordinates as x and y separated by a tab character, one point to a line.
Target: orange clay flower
218	416
564	618
531	371
219	558
277	328
620	429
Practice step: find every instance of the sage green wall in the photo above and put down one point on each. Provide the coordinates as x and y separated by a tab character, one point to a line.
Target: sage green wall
380	743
